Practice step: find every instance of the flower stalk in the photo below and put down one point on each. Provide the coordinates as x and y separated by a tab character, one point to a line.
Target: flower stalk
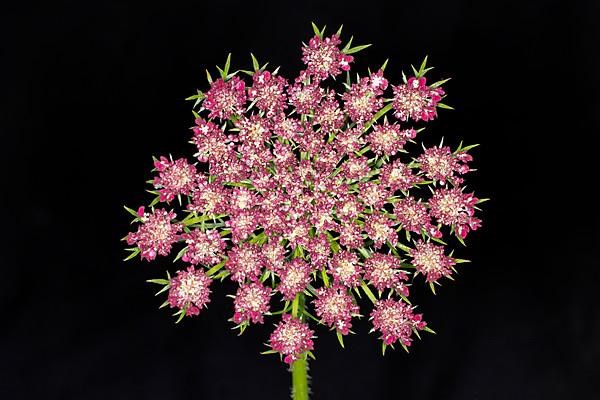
300	366
300	379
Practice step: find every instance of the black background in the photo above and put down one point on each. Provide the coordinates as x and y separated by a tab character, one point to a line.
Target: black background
91	90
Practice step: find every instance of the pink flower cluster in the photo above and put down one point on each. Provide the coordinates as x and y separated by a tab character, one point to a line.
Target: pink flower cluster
304	193
396	321
189	290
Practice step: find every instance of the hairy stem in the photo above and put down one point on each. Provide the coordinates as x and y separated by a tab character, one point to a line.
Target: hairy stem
300	366
300	379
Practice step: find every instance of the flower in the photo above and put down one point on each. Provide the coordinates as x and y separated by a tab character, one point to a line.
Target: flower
396	321
156	234
414	217
251	302
319	250
189	291
203	247
397	176
388	138
294	277
345	269
323	57
378	83
210	141
383	271
209	198
455	208
379	229
335	307
291	338
361	101
245	262
268	91
329	115
416	100
302	191
175	178
430	260
440	164
305	98
225	98
253	131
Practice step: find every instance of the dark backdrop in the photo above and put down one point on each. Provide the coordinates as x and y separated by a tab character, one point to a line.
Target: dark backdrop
91	90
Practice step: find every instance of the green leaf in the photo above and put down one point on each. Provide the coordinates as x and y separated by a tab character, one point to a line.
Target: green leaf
164	289
255	63
132	255
432	287
444	106
482	201
268	352
180	254
383	348
422	67
339	31
469	147
368	292
181	313
158	281
325	277
347	46
216	268
208	77
340	338
316	30
439	83
379	114
357	49
384	64
428	329
295	306
227	64
132	212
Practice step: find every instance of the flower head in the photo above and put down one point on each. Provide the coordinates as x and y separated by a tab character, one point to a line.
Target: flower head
416	100
268	91
251	302
414	217
294	277
245	262
430	260
440	164
225	98
305	98
175	178
203	247
291	338
189	290
345	269
156	234
383	271
455	208
398	176
380	229
396	321
361	102
389	138
323	57
335	307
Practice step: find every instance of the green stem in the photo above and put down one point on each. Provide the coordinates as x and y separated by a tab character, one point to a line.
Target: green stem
300	379
300	366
